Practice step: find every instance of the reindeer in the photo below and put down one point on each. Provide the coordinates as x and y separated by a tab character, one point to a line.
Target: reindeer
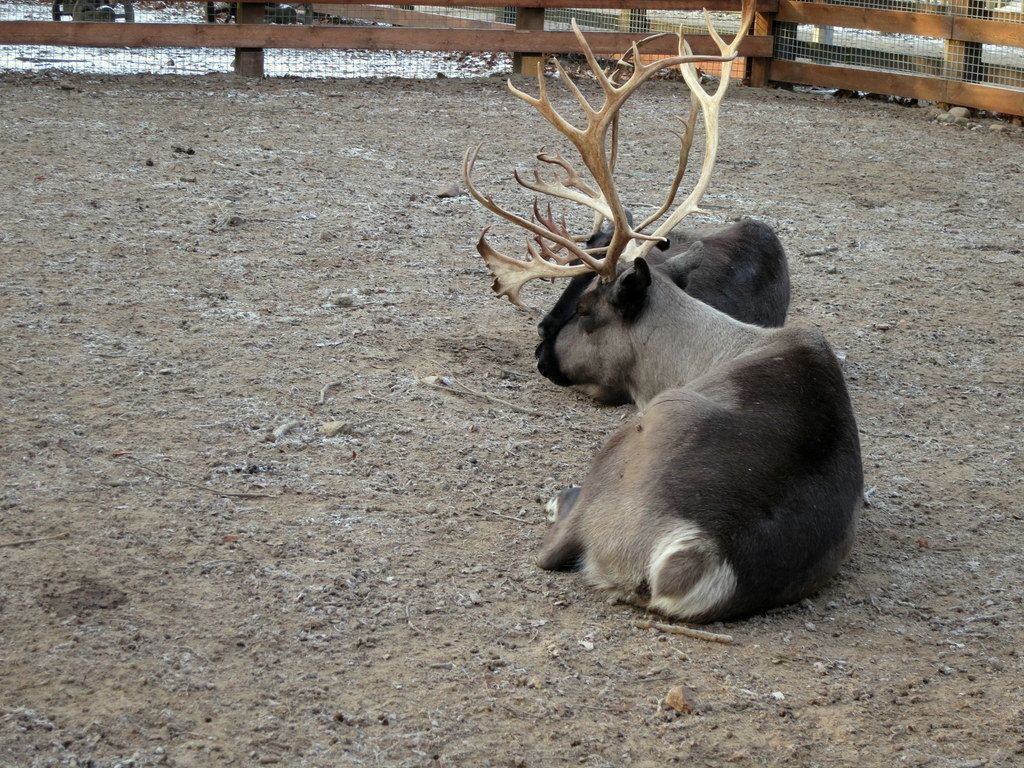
739	269
737	486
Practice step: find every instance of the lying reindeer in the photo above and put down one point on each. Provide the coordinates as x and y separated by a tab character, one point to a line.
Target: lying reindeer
737	486
739	269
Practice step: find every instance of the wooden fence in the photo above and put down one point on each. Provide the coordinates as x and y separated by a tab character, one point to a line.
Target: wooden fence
775	52
956	76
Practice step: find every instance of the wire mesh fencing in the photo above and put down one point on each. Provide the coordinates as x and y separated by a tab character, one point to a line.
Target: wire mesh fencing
316	63
974	42
279	62
971	61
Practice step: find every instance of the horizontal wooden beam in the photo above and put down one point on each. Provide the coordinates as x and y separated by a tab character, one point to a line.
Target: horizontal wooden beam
942	26
990	31
403	18
141	35
908	86
762	6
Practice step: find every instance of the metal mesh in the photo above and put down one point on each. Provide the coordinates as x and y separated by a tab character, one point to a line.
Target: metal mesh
328	63
970	62
997	65
1008	10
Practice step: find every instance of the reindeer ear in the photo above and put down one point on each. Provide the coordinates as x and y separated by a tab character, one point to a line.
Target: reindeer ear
679	267
630	291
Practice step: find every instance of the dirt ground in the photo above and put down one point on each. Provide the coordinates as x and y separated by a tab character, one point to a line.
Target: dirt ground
198	274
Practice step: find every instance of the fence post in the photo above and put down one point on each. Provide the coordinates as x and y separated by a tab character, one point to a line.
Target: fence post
527	63
961	60
757	69
249	61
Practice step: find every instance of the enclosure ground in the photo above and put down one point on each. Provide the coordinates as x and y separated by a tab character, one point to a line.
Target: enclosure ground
198	274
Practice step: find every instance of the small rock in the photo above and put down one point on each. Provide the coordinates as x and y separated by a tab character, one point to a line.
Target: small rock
945	118
681	699
345	300
335	428
961	121
997	127
452	190
956	112
778	696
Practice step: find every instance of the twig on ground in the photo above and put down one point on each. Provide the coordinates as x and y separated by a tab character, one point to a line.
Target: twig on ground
35	540
820	252
676	629
507	517
455	387
285	428
200	486
327	388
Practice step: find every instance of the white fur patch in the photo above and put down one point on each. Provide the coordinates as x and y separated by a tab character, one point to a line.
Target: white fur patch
716	586
552	508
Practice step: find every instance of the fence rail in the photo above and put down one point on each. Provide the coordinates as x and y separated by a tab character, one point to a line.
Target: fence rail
967	52
953	61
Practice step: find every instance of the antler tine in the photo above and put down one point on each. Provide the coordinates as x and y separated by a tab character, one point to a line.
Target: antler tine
592	143
564	191
708	105
510	273
548	252
685	144
573	179
488	202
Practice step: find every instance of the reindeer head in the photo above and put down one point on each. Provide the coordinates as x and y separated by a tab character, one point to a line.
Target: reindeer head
551	251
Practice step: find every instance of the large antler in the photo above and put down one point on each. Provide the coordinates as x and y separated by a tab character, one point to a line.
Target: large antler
591	141
709	104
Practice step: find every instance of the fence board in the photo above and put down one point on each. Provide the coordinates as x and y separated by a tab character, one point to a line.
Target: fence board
947	27
369	38
403	18
950	79
895	84
762	6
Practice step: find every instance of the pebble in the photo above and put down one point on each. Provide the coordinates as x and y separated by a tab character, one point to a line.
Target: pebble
452	190
681	699
345	300
335	428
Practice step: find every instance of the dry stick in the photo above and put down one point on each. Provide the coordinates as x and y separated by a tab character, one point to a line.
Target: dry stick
33	541
200	486
675	629
327	388
455	387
